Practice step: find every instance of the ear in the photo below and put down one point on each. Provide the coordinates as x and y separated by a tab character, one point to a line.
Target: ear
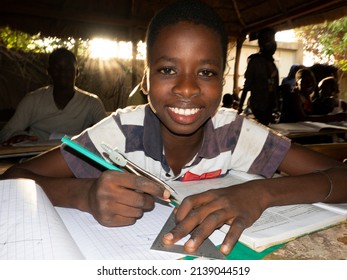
145	82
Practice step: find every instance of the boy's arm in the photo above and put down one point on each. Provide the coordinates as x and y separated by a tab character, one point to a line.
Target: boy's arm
52	173
312	178
114	199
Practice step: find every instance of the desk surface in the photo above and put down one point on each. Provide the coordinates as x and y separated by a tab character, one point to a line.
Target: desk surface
328	244
23	151
294	135
308	129
11	155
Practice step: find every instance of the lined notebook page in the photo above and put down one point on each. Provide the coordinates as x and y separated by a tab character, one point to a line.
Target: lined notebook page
128	243
30	227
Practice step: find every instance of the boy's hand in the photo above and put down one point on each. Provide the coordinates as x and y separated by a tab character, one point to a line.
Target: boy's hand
119	199
201	214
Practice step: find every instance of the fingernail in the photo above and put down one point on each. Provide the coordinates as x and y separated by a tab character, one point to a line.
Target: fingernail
224	249
190	243
166	194
168	236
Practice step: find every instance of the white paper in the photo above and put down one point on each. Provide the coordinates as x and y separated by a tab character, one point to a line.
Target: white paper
283	223
30	228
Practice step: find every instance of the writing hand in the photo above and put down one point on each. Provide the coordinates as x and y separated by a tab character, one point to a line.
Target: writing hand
119	199
239	206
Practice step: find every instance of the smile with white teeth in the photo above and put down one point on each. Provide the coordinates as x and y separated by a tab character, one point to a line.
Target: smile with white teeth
184	112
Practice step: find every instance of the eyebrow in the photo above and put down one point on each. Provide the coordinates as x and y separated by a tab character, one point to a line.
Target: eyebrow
173	59
166	58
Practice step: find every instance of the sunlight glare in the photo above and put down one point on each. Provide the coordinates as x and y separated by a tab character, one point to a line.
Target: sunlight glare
106	49
286	36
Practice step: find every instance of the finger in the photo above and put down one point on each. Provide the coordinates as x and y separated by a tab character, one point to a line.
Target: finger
213	221
119	215
193	202
138	200
181	230
117	221
148	186
233	235
110	191
129	197
186	225
141	184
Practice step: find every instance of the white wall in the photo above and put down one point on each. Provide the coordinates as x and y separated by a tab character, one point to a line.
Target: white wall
285	56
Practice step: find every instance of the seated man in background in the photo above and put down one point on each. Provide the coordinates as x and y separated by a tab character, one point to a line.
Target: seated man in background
57	109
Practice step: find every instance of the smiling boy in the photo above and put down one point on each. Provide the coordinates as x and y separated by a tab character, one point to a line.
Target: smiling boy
183	134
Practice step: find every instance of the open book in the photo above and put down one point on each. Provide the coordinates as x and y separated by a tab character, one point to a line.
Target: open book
277	224
305	127
31	228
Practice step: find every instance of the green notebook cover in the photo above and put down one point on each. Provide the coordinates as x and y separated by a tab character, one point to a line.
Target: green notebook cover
242	252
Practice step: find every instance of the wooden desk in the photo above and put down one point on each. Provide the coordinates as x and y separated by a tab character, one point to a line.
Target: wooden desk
328	244
311	132
330	132
11	155
24	151
337	151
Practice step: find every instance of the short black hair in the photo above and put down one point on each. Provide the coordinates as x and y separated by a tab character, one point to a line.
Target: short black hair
61	52
329	83
192	11
304	73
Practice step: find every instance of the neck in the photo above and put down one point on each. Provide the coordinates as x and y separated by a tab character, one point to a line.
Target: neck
181	149
62	96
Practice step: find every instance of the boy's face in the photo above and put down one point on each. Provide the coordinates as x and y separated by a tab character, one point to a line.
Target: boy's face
185	76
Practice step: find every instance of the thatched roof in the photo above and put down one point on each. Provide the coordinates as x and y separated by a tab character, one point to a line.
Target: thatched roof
127	19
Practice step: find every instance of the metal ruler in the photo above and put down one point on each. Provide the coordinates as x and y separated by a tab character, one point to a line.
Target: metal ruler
206	250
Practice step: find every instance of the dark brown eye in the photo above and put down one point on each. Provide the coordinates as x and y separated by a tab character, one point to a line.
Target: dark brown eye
167	71
207	73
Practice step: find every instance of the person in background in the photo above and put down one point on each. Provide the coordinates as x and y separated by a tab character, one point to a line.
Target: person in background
328	101
184	134
230	101
321	71
323	101
303	104
57	109
290	79
261	79
297	104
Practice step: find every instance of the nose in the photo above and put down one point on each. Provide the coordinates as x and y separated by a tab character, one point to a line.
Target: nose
186	86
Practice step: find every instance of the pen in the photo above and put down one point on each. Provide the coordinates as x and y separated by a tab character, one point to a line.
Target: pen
89	154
